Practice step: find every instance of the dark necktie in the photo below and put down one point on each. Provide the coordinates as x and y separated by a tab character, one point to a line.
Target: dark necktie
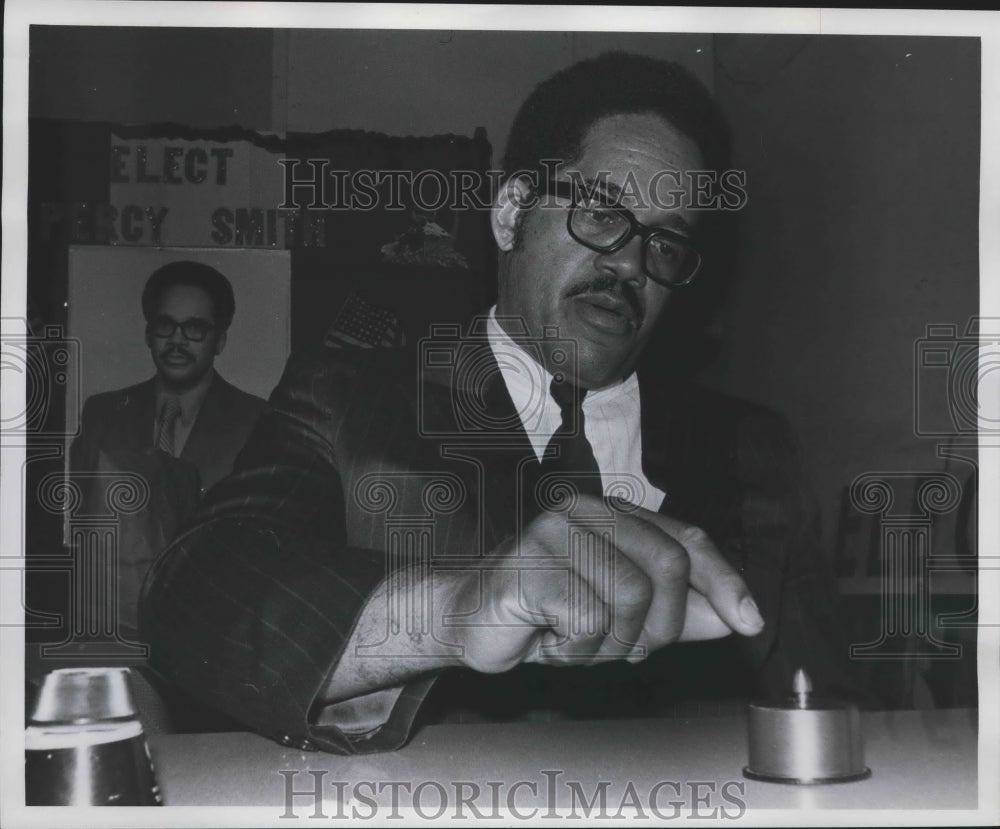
568	456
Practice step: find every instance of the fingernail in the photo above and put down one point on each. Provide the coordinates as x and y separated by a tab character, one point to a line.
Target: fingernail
637	654
750	614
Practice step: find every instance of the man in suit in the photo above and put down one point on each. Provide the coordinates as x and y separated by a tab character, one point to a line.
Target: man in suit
180	430
511	513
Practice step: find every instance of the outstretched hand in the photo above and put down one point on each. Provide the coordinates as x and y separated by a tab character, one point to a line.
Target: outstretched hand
570	593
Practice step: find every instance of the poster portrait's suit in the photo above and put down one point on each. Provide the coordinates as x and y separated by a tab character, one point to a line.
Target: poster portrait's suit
249	610
124	420
117	436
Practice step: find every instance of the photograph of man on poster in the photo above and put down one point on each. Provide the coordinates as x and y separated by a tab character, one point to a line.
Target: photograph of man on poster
180	429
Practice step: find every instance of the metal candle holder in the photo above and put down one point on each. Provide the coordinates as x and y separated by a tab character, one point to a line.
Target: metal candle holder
805	740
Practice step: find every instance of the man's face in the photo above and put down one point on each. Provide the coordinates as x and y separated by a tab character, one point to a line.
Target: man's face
181	362
602	301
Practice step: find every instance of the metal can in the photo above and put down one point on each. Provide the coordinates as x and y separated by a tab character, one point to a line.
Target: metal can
84	744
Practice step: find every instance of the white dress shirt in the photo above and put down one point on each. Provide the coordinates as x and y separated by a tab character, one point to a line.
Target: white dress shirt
611	418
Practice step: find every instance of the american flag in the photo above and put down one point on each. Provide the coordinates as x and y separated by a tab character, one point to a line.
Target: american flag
360	324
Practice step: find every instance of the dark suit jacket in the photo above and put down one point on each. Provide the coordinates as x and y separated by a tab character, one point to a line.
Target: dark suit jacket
116	439
250	609
123	420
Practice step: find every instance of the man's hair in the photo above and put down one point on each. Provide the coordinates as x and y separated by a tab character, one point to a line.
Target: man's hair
197	275
554	119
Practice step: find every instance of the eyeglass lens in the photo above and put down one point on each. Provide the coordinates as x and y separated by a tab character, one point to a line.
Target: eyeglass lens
194	329
604	227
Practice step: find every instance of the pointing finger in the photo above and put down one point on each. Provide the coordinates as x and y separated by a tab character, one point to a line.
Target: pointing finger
711	575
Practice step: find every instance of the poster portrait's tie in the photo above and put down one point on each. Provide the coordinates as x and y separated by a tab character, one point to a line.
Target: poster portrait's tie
170	413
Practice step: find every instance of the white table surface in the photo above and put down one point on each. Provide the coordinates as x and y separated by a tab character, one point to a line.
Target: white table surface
919	760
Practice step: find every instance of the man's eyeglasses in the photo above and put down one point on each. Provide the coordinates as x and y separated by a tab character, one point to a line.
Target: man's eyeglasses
668	257
193	329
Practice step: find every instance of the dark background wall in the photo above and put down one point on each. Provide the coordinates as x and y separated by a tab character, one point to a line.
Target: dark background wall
861	153
305	80
862	157
423	83
197	77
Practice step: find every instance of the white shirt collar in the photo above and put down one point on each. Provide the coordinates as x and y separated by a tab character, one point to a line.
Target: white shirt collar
522	370
528	384
612	415
526	379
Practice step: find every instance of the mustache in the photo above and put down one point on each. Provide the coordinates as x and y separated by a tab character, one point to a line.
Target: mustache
175	349
612	285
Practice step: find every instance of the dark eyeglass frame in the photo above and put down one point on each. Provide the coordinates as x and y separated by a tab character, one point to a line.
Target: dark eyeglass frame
571	190
202	328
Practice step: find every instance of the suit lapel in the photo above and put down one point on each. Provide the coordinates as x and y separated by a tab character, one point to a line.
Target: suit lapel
689	451
674	457
472	412
655	423
511	456
139	417
210	421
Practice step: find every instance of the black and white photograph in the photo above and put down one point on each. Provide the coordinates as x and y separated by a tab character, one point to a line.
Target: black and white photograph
523	415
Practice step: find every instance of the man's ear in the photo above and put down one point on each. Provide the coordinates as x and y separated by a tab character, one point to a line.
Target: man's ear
506	212
220	343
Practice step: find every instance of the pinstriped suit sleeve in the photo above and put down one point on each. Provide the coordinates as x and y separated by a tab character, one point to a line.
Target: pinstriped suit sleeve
250	609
